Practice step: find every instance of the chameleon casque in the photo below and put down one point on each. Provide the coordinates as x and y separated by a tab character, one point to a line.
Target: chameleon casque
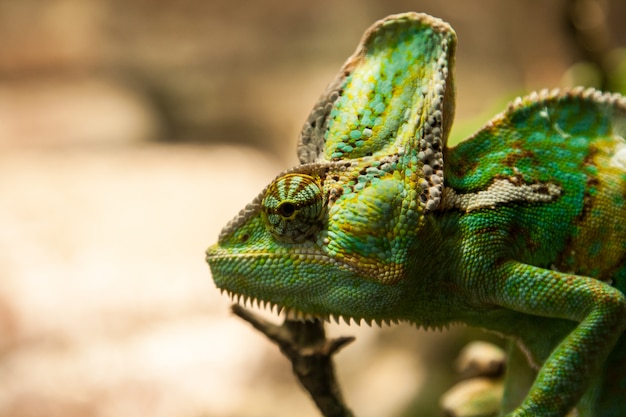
520	229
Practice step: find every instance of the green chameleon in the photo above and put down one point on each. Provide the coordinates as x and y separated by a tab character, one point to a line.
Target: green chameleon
520	229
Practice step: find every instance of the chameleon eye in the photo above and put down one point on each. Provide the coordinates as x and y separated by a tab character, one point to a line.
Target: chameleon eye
286	209
293	207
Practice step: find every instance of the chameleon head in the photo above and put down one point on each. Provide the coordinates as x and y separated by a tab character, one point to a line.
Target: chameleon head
332	236
325	240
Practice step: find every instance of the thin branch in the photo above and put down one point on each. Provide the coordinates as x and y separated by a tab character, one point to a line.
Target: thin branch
310	353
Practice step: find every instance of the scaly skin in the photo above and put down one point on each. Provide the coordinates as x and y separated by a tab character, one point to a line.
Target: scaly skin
521	229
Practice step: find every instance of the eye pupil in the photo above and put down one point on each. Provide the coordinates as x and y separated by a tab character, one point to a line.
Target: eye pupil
286	209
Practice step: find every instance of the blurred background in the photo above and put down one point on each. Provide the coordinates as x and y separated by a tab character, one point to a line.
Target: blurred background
132	131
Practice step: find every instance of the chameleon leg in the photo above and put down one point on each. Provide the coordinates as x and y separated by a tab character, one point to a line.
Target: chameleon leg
599	310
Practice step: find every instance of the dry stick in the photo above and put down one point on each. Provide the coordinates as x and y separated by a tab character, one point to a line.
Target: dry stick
310	353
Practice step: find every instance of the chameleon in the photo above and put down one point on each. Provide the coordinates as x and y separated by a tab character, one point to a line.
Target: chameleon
519	229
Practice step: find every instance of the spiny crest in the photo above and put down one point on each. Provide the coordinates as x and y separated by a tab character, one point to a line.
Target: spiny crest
294	207
565	100
295	314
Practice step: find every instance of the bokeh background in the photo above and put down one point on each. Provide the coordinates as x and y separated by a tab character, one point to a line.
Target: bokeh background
131	131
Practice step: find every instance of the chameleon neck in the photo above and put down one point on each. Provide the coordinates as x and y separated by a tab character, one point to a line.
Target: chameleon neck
435	282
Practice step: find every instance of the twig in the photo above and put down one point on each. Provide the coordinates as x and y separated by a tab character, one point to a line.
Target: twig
310	353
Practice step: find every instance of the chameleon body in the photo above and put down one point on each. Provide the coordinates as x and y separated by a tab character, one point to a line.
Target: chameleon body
520	229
